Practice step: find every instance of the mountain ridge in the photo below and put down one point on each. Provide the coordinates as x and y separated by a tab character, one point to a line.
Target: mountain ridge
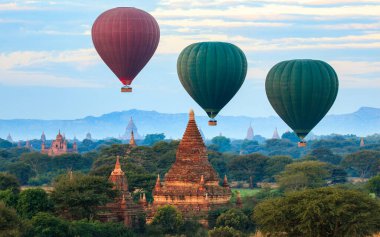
364	121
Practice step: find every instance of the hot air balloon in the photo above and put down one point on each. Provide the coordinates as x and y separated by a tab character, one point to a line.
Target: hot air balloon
302	91
125	38
212	73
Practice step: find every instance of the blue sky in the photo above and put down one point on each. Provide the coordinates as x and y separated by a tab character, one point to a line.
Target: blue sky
50	70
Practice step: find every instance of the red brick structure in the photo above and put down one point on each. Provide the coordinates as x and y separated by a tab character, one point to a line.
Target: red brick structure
191	184
58	147
122	209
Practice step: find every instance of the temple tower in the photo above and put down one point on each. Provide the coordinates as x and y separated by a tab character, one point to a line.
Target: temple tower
122	208
131	127
362	142
43	137
132	141
250	133
9	138
275	134
191	184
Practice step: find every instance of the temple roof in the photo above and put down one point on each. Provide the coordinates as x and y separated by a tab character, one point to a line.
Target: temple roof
191	158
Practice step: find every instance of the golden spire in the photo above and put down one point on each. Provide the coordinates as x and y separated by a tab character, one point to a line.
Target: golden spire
191	115
117	170
225	181
132	141
158	183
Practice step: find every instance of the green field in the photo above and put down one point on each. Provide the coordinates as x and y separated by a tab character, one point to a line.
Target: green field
244	192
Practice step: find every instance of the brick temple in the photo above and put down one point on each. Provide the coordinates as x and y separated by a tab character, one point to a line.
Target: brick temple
191	184
121	209
58	147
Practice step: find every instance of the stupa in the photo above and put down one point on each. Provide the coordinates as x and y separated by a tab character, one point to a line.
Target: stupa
122	208
191	184
250	134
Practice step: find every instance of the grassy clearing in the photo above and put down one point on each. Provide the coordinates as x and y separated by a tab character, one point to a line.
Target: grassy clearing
246	192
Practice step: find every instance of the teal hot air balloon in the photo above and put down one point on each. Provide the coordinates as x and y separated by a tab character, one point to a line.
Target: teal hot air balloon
302	91
212	73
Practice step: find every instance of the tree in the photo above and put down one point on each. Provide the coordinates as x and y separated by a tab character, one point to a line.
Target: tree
8	181
276	165
245	166
373	185
322	212
79	197
22	171
32	201
234	218
47	225
10	223
291	136
338	175
85	228
301	175
222	143
365	163
225	231
151	139
169	219
326	155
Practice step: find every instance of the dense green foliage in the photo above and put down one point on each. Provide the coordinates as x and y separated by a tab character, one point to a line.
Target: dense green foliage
10	223
301	175
79	196
169	219
319	212
32	201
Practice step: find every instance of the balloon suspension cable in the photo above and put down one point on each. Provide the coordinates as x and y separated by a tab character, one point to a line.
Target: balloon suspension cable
126	88
302	143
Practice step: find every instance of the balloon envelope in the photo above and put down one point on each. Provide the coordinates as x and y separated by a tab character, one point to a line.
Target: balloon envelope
212	73
125	38
302	91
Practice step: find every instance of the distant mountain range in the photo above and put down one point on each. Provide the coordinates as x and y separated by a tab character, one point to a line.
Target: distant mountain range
363	122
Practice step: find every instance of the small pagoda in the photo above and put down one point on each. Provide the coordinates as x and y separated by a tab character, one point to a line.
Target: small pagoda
191	184
122	208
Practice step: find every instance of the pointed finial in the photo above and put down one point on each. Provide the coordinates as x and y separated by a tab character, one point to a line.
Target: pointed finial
117	164
191	114
59	131
158	183
225	181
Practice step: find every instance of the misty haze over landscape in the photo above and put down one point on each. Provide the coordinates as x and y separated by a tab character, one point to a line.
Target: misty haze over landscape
362	122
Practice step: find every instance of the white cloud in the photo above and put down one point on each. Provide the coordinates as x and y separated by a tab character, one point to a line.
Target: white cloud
80	58
12	6
15	68
20	78
270	12
186	23
173	44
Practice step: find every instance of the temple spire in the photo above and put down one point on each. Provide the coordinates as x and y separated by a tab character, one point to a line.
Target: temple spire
158	183
191	115
225	181
275	134
117	164
362	142
132	141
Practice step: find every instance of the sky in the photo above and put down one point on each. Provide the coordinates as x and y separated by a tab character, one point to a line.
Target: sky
49	68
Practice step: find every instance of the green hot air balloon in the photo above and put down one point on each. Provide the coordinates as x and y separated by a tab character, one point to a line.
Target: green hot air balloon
302	91
212	73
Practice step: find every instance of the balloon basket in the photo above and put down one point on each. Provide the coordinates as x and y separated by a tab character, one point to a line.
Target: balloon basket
126	89
302	144
212	123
